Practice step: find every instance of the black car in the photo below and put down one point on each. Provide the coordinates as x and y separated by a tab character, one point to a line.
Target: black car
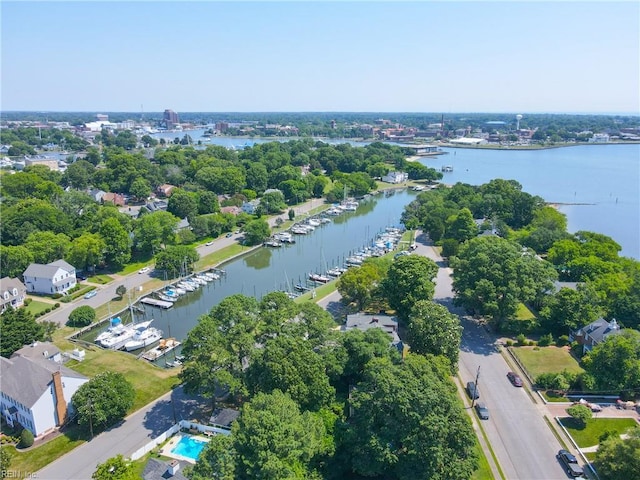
482	411
570	463
472	390
81	276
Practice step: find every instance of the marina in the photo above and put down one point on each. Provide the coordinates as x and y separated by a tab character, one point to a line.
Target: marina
156	303
165	346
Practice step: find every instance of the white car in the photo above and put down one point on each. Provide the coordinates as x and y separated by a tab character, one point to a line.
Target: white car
209	243
144	270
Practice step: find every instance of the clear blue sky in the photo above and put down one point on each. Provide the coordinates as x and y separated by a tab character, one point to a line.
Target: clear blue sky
321	56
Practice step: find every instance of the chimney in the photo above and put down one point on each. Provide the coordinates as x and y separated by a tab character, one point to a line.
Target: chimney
61	404
174	465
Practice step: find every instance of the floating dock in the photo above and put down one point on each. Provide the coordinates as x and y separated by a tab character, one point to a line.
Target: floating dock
157	303
161	350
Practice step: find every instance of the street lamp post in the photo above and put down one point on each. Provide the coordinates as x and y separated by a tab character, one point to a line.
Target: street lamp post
475	388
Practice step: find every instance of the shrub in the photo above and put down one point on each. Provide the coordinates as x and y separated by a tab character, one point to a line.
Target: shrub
509	343
57	305
563	341
581	413
56	295
522	340
545	340
27	301
81	316
26	438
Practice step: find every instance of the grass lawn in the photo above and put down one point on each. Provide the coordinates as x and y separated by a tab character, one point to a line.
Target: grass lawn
547	360
149	382
36	307
523	313
28	462
115	306
589	435
551	396
219	256
484	471
101	279
321	292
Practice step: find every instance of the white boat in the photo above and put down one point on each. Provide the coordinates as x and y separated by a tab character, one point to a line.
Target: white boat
117	340
180	291
203	278
212	276
187	286
165	298
199	280
325	220
313	222
334	272
115	327
143	338
319	278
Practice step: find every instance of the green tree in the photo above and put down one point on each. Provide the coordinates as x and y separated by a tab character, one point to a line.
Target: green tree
433	330
87	251
581	413
273	203
492	276
26	438
18	328
570	309
117	242
272	439
615	363
14	260
217	460
256	232
461	226
359	283
48	247
183	204
409	279
155	229
177	259
618	458
81	316
140	188
28	216
289	364
115	468
257	177
98	410
407	422
207	203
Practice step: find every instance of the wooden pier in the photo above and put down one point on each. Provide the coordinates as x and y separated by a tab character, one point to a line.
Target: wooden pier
157	303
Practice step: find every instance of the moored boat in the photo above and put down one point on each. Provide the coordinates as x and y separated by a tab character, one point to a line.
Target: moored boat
143	338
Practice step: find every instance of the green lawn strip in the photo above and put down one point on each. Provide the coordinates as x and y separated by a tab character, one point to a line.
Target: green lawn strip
538	360
493	454
32	460
591	456
215	258
101	279
523	313
551	396
589	435
484	470
321	292
150	382
36	306
84	289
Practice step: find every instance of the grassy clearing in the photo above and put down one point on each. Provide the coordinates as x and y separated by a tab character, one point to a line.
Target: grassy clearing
538	360
551	396
149	381
36	307
589	435
219	256
523	313
32	460
321	292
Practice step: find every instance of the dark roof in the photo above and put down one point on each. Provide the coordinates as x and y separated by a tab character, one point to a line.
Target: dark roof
599	330
224	417
363	322
157	469
25	380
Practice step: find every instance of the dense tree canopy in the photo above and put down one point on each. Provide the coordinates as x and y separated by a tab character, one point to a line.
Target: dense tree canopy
619	458
18	328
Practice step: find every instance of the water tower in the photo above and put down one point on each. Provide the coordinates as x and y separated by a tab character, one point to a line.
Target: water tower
518	118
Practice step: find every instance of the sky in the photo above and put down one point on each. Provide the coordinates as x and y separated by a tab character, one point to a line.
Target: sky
363	56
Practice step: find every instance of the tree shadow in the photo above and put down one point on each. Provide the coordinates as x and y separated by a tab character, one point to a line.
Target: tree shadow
178	406
475	338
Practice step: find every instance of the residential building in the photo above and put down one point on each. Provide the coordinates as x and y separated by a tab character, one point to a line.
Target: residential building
596	332
12	293
117	199
396	177
250	207
50	163
54	277
165	190
599	138
363	322
36	392
224	417
156	469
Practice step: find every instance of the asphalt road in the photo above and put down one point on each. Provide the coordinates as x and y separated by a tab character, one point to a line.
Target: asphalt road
522	441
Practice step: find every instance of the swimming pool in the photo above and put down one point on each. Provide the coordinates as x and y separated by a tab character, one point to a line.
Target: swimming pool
189	447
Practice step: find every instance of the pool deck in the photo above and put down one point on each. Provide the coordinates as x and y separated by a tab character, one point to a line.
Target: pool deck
173	441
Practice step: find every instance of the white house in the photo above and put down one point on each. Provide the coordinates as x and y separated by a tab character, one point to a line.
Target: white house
396	177
250	207
599	138
36	392
12	293
54	277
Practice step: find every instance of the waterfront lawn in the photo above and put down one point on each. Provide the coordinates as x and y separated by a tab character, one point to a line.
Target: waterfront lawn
538	360
150	382
29	461
589	436
115	306
36	307
215	258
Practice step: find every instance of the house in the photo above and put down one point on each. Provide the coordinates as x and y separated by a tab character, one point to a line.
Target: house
12	293
96	194
40	351
50	163
158	470
4	149
250	207
596	332
233	210
224	417
117	199
36	392
363	322
165	190
183	225
396	177
55	277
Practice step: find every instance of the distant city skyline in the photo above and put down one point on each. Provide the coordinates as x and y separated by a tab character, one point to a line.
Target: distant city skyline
364	56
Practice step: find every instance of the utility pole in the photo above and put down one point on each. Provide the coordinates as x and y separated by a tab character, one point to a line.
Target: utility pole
90	418
475	391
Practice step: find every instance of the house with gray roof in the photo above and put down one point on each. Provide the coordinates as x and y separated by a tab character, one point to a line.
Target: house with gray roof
224	417
596	332
158	470
40	352
36	393
54	277
363	322
12	293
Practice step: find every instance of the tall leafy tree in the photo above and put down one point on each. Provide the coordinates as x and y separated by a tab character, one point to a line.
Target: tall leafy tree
155	229
256	232
407	423
47	247
409	279
14	260
217	460
492	276
18	328
87	251
117	241
183	204
432	329
619	458
177	259
99	410
615	363
461	226
569	309
115	468
358	284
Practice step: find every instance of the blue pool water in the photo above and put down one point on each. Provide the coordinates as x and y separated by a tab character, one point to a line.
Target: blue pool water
189	447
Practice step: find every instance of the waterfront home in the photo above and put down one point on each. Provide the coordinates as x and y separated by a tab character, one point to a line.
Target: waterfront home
12	293
396	177
36	392
54	277
596	332
363	322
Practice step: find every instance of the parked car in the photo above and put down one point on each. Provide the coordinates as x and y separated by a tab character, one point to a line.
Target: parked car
144	270
515	379
482	410
90	294
81	276
570	463
229	235
209	243
472	390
